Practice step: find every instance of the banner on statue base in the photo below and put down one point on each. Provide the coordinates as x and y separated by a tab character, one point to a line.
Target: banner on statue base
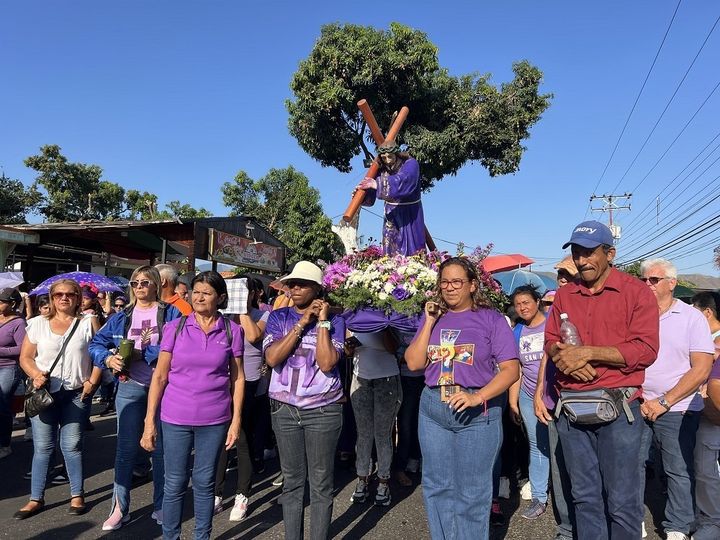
232	249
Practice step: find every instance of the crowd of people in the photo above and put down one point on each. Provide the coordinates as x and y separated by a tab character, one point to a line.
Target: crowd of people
585	391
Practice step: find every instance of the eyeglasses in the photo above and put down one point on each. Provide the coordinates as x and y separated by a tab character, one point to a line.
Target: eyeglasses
58	295
144	283
653	280
453	283
298	284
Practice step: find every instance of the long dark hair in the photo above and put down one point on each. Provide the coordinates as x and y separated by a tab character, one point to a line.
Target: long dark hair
479	300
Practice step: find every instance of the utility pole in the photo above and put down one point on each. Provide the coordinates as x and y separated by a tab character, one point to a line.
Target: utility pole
610	205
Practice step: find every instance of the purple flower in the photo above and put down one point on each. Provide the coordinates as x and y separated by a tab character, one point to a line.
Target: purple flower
399	293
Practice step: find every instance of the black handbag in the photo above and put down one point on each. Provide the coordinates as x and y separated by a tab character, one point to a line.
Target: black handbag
39	399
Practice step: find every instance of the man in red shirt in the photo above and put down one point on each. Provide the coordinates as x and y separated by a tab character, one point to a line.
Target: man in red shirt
168	280
617	320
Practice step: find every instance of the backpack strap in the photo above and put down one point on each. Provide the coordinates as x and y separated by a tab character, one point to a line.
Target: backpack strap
180	325
161	319
128	320
228	331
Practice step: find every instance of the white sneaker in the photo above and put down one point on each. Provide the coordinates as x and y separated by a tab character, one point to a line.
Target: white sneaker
526	492
412	465
239	509
157	515
218	505
5	451
644	532
504	488
676	535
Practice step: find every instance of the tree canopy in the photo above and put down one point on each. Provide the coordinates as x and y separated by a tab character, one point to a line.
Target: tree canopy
452	120
283	202
16	201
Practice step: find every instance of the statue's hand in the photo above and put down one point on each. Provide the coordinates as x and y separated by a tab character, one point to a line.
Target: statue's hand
368	183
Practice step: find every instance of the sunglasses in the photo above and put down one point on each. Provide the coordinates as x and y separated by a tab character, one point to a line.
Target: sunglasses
298	284
64	295
653	280
119	306
144	283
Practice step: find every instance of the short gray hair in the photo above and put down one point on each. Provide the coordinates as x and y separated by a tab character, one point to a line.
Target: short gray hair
169	273
669	268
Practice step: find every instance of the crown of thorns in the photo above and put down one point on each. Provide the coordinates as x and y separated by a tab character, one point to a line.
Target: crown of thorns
390	148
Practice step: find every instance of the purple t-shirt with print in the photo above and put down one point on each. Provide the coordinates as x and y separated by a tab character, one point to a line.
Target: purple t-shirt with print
144	331
298	380
465	348
532	341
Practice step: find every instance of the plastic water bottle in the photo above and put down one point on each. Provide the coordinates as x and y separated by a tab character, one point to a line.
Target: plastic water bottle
568	331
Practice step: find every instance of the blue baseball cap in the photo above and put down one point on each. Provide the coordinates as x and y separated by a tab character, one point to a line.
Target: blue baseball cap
590	234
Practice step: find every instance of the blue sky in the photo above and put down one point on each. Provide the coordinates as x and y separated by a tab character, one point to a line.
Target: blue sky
176	97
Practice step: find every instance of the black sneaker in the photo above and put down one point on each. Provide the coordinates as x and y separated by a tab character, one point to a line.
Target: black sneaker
360	494
108	411
497	518
60	477
382	496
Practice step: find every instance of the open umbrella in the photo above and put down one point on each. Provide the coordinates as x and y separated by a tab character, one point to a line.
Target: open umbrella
511	280
10	279
500	263
101	282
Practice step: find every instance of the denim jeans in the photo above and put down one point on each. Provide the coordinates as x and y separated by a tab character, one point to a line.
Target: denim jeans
561	489
707	481
459	450
131	405
674	434
68	412
9	380
408	445
307	439
537	433
179	444
375	403
604	466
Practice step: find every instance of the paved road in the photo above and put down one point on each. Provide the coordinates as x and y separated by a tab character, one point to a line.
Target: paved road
404	519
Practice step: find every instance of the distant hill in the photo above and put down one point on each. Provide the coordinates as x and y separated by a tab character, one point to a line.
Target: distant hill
700	281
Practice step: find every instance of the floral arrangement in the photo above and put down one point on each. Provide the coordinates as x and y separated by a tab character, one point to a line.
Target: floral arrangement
397	283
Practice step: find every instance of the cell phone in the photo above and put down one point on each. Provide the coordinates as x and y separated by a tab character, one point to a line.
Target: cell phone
352	342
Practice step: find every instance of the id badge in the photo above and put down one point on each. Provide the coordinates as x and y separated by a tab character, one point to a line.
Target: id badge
448	390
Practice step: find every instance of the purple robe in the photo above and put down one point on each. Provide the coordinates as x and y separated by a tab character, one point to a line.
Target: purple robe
404	226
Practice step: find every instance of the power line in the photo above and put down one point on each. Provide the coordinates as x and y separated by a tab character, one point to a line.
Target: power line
637	98
667	106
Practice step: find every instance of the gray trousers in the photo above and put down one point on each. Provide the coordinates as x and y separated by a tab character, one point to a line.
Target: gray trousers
375	404
707	481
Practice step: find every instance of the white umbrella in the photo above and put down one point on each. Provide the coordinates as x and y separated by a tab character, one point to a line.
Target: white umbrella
10	279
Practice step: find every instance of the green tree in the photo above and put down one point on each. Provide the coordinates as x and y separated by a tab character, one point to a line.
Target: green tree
452	120
74	191
177	210
283	202
141	206
16	200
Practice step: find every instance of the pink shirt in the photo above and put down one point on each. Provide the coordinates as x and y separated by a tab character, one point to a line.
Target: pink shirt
683	329
198	389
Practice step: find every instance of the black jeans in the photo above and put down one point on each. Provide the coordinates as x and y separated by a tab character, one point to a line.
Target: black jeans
408	446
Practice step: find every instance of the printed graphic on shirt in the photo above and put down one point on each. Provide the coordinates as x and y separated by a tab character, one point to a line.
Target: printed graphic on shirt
145	333
448	353
531	347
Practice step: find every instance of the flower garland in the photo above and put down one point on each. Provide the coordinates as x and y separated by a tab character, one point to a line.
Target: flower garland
398	283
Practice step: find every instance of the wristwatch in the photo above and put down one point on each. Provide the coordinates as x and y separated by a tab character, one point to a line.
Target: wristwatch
324	324
662	401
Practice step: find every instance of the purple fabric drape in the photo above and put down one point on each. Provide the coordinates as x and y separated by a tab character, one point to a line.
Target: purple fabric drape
375	320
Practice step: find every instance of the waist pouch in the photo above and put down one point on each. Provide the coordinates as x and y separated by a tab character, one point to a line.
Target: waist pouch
597	406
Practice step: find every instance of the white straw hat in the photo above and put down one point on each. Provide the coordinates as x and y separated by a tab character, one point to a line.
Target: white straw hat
306	271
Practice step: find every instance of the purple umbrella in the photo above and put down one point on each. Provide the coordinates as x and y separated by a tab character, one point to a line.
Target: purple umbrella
101	282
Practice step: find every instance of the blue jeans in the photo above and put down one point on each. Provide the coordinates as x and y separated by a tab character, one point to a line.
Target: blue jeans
179	444
707	481
674	434
307	439
9	380
561	490
537	433
69	413
131	405
459	450
604	466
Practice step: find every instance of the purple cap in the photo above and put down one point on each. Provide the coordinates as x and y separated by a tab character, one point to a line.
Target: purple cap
590	234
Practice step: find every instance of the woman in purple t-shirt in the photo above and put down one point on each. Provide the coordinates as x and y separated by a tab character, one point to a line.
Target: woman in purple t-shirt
530	336
200	380
470	359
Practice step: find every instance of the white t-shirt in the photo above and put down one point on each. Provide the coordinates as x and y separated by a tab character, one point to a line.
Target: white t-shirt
372	360
75	365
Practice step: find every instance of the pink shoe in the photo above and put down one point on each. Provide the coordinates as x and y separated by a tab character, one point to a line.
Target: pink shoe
116	520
